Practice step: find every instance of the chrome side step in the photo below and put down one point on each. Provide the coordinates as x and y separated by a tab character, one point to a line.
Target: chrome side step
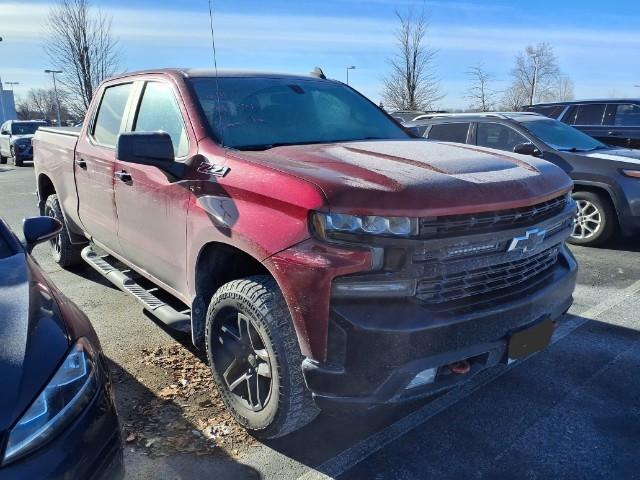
155	306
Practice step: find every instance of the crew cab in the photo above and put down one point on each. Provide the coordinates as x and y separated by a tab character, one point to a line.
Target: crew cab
322	256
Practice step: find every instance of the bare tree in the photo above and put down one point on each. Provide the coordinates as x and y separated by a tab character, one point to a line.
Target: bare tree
412	83
564	89
513	98
536	72
80	43
480	93
40	103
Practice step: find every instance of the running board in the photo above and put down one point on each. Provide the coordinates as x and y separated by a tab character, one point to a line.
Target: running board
152	304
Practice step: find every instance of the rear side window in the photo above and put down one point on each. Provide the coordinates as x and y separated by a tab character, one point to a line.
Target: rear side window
551	111
590	114
108	122
449	132
159	112
626	115
501	137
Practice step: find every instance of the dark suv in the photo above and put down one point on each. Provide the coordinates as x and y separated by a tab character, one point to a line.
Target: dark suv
614	122
606	179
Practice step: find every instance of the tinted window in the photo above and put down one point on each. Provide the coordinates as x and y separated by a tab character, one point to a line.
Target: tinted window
551	111
159	111
627	115
570	115
109	119
449	132
494	135
589	114
25	128
258	113
560	136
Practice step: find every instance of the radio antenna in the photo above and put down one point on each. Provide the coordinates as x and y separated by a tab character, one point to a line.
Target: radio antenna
215	66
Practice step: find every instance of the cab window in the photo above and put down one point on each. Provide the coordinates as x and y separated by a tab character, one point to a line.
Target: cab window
159	112
449	132
589	114
501	137
108	123
626	115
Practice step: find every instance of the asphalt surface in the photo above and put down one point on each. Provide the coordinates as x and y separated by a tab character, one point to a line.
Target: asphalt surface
572	411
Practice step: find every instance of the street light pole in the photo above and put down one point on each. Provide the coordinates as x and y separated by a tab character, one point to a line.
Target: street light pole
12	84
55	90
352	67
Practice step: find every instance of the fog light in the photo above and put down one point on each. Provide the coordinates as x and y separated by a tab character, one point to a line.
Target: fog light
382	289
422	378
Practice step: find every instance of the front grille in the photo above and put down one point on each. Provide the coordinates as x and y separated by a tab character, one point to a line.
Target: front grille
454	225
485	280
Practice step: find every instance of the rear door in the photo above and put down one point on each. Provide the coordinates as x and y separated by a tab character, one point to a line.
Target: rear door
152	208
95	165
622	122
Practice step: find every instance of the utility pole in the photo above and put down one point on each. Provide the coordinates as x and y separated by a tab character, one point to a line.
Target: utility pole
352	67
12	84
55	90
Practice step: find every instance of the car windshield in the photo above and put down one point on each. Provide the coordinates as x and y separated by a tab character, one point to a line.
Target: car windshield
25	128
259	113
562	137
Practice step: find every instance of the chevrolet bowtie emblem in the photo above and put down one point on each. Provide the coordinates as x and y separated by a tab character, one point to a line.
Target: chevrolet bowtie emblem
527	242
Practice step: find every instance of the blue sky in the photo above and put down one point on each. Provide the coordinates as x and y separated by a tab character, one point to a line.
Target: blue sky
597	43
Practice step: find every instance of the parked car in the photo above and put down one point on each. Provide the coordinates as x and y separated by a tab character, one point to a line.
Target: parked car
15	140
57	416
606	179
612	121
322	256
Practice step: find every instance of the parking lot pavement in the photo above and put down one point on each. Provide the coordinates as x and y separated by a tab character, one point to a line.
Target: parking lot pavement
572	411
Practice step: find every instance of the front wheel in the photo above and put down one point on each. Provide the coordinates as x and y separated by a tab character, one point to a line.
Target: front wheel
595	223
255	358
17	161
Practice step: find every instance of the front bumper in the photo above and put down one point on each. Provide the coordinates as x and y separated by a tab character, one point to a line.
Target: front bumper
375	349
90	448
24	153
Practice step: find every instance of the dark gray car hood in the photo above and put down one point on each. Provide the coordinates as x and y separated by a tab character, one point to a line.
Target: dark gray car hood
33	339
616	154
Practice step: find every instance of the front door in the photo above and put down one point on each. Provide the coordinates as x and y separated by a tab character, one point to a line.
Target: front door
152	207
95	166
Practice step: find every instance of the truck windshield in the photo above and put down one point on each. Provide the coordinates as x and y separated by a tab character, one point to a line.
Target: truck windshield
25	128
258	113
562	137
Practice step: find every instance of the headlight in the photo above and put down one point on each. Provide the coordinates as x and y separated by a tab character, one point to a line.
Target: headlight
67	393
332	225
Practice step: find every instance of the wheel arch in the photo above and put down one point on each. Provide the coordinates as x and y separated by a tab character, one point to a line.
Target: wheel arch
599	189
47	188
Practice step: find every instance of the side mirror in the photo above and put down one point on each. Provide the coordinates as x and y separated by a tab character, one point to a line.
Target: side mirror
527	149
149	148
4	132
39	229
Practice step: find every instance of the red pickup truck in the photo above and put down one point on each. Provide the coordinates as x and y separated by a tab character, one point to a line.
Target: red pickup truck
322	256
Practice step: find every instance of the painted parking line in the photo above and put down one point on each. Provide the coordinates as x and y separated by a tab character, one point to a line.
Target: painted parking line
355	454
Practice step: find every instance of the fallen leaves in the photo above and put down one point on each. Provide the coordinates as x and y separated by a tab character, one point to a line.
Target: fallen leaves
187	414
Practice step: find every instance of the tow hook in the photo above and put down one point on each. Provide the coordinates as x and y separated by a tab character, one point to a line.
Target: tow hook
459	368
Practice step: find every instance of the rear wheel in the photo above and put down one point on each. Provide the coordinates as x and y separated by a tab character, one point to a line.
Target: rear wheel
255	359
64	253
595	223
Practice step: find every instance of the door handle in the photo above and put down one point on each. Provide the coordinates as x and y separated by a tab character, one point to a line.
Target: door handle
613	134
81	163
124	176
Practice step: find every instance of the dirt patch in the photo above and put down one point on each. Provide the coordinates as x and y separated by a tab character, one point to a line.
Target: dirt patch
179	409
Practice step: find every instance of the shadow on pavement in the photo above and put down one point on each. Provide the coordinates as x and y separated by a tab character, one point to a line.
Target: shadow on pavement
159	440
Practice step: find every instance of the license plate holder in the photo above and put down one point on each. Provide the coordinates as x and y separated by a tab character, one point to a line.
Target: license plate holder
531	339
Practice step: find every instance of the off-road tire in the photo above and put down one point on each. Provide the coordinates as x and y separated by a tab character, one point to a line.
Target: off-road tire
68	254
290	405
608	220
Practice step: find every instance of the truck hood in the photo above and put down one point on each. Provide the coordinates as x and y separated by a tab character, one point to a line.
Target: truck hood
33	339
417	177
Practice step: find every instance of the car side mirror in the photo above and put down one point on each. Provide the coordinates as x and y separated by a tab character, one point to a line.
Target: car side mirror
527	149
4	132
414	131
39	229
149	148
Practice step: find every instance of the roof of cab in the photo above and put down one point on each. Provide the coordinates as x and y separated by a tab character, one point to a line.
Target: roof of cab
210	72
